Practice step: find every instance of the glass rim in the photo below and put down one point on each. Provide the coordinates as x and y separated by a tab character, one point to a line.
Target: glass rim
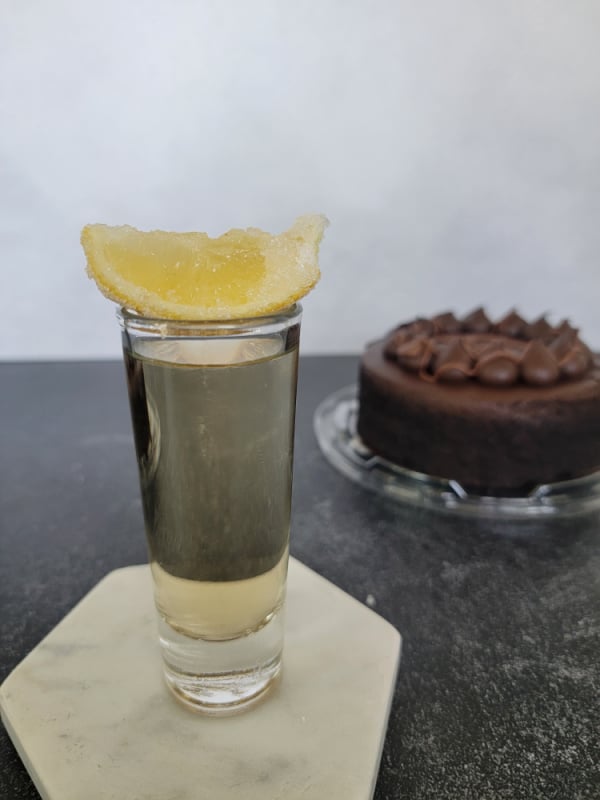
131	320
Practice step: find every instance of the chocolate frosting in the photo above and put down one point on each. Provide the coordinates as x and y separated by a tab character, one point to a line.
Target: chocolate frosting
445	348
446	323
538	366
497	369
512	325
452	363
477	322
540	329
413	354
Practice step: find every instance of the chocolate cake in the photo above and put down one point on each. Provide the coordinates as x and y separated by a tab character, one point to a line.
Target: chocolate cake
499	407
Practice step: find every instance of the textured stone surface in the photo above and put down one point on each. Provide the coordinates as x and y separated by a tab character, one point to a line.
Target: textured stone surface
89	712
498	689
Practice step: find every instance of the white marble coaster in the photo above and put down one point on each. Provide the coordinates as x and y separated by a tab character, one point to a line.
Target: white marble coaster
91	717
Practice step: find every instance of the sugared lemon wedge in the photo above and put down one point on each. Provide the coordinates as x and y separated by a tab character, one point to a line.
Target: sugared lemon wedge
243	273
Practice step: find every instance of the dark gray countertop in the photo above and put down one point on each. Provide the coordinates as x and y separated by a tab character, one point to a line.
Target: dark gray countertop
498	690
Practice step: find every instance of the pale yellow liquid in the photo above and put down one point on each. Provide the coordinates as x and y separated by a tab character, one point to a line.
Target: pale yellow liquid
213	423
219	609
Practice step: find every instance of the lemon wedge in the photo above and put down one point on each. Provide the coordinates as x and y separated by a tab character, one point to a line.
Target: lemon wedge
191	276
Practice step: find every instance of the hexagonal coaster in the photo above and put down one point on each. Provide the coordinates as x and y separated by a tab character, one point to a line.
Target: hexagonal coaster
90	715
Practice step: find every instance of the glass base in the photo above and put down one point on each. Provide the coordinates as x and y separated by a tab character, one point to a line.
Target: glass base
220	677
335	429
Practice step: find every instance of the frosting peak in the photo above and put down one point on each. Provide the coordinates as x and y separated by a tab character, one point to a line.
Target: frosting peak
511	325
538	366
477	321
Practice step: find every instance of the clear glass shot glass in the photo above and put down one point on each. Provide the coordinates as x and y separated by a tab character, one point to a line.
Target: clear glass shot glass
213	410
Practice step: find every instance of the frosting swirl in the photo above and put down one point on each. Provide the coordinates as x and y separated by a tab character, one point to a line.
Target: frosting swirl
510	351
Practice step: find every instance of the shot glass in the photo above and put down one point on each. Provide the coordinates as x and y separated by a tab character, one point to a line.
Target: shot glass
213	410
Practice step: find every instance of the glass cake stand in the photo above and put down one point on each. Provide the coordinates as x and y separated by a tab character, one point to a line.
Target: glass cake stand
335	429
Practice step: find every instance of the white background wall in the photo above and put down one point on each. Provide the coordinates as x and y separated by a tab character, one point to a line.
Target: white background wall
454	144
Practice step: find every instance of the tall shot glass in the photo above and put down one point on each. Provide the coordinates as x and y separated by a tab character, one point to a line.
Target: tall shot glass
213	409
